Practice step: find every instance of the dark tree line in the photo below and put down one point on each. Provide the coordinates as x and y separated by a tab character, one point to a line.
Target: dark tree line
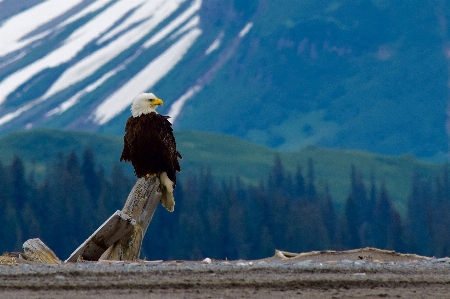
223	219
72	201
428	222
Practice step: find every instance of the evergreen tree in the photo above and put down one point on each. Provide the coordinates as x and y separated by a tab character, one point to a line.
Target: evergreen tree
77	206
121	186
419	215
238	222
6	190
300	188
12	236
192	236
364	206
50	226
279	203
306	229
359	194
353	221
328	214
311	192
18	183
10	231
446	182
102	209
353	235
439	215
342	235
31	221
388	233
52	198
90	177
259	221
276	181
372	199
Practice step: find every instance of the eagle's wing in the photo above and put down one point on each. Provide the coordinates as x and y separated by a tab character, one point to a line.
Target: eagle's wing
128	138
170	154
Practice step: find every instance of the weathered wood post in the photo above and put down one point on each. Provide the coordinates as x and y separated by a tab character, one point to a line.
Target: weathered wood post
140	206
119	237
114	228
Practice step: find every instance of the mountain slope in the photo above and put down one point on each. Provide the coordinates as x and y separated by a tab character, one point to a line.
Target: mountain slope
335	74
368	75
228	157
117	48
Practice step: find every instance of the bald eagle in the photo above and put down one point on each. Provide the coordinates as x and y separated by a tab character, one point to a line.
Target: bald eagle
150	146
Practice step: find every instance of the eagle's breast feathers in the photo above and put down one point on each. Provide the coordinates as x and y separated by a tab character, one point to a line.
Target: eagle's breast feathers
150	146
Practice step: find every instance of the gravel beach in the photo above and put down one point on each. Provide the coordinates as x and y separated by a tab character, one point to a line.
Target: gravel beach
326	275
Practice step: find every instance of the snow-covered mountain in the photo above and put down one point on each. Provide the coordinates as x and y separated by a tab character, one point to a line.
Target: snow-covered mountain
68	50
280	73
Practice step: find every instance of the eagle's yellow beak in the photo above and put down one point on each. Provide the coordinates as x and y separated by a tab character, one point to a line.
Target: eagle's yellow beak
157	102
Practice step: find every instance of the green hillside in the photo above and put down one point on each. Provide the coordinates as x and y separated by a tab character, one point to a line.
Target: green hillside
357	74
228	157
369	75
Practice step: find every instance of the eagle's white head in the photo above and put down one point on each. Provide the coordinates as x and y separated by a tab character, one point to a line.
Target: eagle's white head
144	104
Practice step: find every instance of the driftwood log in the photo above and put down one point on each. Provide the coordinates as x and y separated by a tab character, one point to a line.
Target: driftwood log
140	206
118	238
106	235
36	251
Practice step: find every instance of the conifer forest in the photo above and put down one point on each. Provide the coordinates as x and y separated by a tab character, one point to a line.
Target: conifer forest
223	219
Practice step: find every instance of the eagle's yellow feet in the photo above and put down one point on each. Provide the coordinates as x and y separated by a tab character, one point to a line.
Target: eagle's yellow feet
150	174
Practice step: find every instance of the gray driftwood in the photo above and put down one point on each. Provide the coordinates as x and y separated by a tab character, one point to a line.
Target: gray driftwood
140	205
36	251
118	238
106	235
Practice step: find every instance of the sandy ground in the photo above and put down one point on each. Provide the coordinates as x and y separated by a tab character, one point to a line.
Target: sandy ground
262	283
368	274
430	292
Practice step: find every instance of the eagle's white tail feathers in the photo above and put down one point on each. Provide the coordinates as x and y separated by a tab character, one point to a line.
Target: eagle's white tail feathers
167	199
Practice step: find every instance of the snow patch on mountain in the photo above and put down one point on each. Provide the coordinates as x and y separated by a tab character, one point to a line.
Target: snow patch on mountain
147	9
194	22
246	29
13	30
93	62
183	17
143	17
177	106
145	79
109	38
215	45
96	5
10	116
76	98
73	45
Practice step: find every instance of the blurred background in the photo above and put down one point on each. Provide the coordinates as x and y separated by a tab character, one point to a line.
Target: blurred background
303	126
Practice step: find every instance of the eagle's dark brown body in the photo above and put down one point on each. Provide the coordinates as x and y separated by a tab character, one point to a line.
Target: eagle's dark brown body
150	146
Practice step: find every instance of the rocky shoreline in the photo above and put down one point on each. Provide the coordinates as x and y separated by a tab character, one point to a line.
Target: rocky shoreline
313	275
